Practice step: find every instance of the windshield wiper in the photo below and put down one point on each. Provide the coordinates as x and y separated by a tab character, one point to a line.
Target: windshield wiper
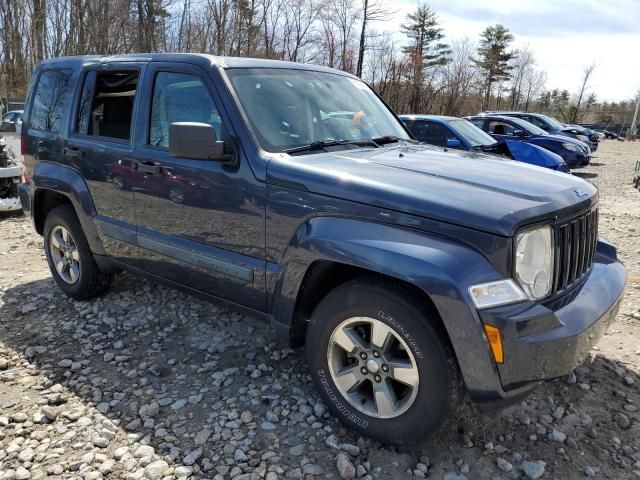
391	139
322	144
386	139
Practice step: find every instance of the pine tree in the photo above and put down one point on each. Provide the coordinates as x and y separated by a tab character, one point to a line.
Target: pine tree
426	49
494	57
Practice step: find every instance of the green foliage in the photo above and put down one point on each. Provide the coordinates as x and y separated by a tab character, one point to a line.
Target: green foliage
426	47
493	53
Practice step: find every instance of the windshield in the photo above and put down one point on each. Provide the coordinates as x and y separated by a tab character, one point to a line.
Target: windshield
553	123
289	108
528	127
472	134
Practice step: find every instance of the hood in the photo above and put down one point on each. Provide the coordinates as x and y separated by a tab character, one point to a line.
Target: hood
563	138
533	154
473	190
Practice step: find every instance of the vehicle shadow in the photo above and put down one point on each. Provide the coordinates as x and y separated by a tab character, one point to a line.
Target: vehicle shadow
144	347
595	164
584	174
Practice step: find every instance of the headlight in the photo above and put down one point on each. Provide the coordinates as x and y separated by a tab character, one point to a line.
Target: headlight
572	146
492	294
582	138
534	261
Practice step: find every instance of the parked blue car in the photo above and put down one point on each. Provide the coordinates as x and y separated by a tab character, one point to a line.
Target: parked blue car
458	133
554	127
574	152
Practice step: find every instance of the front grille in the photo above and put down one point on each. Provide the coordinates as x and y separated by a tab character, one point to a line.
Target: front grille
575	246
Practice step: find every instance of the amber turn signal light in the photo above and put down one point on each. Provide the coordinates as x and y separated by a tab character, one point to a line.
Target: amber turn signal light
495	342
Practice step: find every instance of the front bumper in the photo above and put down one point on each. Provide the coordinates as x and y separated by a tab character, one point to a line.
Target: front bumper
549	339
577	159
10	204
10	178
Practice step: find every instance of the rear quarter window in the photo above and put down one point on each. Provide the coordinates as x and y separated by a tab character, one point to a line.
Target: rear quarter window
52	92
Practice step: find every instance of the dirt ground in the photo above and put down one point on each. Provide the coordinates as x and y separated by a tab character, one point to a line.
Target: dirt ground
147	382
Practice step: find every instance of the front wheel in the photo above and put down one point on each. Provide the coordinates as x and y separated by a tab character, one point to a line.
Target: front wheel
381	363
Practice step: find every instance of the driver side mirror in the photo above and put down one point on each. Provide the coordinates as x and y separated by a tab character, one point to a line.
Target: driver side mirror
453	143
197	141
519	133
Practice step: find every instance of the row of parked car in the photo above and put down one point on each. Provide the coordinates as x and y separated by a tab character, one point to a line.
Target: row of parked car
528	137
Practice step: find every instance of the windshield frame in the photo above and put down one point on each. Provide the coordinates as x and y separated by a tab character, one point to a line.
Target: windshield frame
228	81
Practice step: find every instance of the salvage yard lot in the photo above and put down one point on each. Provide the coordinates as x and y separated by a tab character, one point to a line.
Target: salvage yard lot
148	382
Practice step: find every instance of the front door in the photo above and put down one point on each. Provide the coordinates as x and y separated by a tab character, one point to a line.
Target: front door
201	223
501	130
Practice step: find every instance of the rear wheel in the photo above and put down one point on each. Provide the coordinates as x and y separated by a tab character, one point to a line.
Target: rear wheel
69	256
380	362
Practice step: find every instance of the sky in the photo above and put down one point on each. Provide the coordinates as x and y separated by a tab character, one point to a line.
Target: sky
566	36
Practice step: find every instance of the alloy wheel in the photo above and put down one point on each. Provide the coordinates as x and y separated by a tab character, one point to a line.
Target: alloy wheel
373	367
64	254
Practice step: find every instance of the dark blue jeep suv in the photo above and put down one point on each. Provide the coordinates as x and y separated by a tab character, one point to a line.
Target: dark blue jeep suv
411	275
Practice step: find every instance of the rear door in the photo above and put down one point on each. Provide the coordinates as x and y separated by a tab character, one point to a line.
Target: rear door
201	223
100	146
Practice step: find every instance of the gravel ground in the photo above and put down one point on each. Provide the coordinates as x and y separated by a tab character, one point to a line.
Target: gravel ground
147	382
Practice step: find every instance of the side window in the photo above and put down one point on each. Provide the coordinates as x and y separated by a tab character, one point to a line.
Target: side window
106	104
52	91
432	133
500	128
478	122
180	97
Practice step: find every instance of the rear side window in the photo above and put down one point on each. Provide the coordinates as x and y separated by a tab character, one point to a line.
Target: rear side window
106	104
51	94
180	97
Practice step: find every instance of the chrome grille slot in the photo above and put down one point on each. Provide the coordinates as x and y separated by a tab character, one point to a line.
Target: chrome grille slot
574	249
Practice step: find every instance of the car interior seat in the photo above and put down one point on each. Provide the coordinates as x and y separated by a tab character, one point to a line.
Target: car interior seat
116	117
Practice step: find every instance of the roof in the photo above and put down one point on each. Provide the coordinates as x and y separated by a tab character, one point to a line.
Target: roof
499	116
437	118
507	112
201	59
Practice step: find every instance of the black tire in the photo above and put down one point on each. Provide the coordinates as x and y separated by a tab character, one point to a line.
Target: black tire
91	281
440	388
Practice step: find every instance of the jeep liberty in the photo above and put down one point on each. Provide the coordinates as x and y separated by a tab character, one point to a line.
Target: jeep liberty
412	276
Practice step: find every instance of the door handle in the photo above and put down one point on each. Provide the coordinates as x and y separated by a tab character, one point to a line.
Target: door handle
148	167
73	152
